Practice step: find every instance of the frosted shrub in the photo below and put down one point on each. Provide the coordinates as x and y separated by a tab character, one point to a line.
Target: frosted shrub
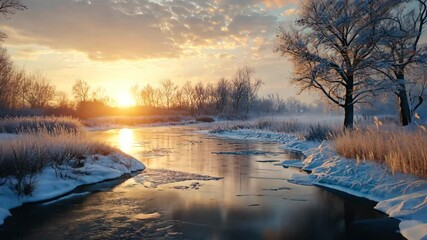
24	156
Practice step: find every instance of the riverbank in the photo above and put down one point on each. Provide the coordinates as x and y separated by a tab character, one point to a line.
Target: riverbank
401	196
49	185
45	158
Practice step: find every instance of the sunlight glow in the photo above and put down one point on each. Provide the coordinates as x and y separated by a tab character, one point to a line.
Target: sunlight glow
125	100
126	140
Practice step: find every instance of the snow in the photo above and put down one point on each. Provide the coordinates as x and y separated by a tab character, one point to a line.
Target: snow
401	196
96	168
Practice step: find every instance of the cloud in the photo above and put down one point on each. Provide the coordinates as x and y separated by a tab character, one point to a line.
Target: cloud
140	29
278	3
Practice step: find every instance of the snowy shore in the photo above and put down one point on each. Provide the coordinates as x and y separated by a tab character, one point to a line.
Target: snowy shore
401	196
96	168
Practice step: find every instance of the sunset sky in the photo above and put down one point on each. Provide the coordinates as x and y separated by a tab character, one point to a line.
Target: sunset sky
114	44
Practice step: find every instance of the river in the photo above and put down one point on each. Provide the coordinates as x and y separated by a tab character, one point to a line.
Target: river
198	186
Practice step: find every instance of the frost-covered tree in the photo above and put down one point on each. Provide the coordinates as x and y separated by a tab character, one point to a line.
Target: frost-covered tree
244	89
332	45
222	93
402	50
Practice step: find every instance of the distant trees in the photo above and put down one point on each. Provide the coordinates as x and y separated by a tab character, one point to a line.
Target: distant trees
19	89
244	89
39	92
81	90
228	98
168	91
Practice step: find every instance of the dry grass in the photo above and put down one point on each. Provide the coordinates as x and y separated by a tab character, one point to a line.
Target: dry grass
378	139
402	151
36	148
34	124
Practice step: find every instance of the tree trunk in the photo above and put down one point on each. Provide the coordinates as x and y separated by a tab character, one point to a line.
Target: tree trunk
404	106
349	108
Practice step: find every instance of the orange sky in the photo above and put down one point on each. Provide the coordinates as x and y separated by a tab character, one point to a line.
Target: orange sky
115	44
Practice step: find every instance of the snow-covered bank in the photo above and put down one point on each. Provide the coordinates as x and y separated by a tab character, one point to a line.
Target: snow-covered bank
49	185
400	196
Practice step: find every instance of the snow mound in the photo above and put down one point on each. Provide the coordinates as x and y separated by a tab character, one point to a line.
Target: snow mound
401	196
96	168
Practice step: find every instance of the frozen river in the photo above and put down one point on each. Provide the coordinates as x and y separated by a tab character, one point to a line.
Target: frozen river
200	187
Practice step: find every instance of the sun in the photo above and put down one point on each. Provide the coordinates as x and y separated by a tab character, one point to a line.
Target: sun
125	100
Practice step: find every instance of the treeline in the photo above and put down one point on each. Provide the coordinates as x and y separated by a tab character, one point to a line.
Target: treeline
23	93
233	98
19	89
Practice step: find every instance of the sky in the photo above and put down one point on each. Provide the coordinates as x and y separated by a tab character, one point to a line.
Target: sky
114	44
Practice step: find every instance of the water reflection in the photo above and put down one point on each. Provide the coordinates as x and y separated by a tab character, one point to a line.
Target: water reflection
125	140
252	201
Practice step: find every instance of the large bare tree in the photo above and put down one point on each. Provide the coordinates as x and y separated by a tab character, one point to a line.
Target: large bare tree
332	45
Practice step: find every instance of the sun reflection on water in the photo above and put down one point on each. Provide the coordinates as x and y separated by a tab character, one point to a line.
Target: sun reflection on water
126	140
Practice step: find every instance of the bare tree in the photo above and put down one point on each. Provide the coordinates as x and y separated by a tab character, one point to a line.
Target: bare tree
199	96
136	94
9	7
81	91
222	93
401	50
168	90
40	91
332	45
417	88
243	90
100	95
6	76
148	96
62	99
187	90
